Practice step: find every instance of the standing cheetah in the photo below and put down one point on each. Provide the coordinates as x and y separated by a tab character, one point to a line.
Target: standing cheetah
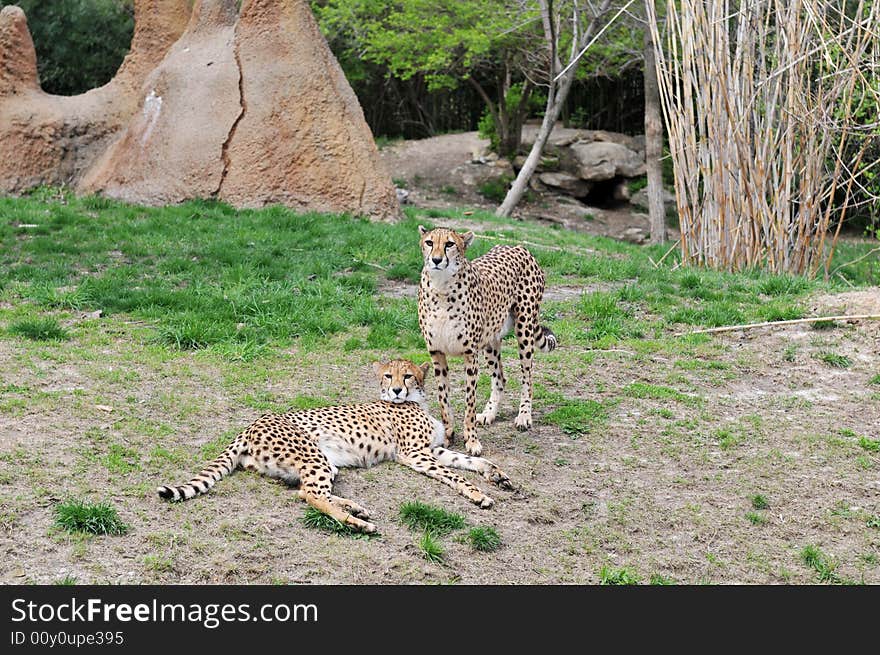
468	306
309	446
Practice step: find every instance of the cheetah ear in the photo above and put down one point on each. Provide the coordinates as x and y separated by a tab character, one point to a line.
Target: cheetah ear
468	238
423	230
377	367
425	368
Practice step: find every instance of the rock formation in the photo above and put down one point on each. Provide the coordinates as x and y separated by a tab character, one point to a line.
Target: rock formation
251	109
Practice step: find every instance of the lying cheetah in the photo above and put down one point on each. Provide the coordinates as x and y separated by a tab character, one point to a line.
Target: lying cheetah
308	447
468	306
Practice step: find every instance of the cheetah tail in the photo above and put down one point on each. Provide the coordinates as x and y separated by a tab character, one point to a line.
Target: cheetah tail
220	467
546	340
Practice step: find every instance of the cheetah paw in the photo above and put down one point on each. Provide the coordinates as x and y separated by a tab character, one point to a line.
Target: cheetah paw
486	418
473	447
523	422
485	502
499	477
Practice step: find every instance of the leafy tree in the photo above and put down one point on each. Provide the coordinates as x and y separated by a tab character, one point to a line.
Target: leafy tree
485	43
80	43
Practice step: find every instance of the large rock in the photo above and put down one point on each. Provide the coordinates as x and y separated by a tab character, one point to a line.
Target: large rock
302	139
603	160
172	148
572	185
251	109
640	199
47	139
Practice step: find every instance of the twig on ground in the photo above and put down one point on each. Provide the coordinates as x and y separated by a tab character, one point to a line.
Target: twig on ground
816	319
587	251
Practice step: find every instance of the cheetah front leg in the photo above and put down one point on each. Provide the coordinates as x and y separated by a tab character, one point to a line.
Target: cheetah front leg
471	444
493	361
424	462
441	374
482	466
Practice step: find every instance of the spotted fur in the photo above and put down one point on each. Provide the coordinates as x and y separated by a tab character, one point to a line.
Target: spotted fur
307	447
468	306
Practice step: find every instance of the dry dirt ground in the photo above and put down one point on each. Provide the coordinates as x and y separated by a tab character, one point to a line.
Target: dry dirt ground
662	487
446	171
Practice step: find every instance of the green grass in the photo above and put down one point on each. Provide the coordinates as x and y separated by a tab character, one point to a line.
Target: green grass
834	360
871	445
67	581
873	522
495	189
875	379
39	329
436	520
821	563
317	520
622	576
658	392
657	579
484	539
576	417
756	519
90	518
431	548
759	501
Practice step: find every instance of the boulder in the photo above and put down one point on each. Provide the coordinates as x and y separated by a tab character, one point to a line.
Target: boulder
569	183
250	108
172	148
603	160
301	139
640	199
47	139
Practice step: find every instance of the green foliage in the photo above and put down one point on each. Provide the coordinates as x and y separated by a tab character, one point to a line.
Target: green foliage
431	548
657	579
421	516
755	518
824	566
622	576
834	360
495	189
80	43
317	520
759	501
871	445
484	539
81	516
39	329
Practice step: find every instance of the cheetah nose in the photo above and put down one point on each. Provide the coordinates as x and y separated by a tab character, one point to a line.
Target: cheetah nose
437	260
397	391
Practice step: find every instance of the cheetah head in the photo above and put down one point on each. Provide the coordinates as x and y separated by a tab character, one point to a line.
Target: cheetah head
443	249
401	380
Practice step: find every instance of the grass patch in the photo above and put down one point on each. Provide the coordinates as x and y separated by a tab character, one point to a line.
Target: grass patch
623	576
821	563
436	520
759	501
67	581
756	519
81	516
484	538
495	189
657	579
875	379
576	417
833	359
317	520
38	329
658	392
431	548
871	445
873	522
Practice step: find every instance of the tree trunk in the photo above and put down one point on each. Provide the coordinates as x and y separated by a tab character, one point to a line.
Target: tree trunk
653	145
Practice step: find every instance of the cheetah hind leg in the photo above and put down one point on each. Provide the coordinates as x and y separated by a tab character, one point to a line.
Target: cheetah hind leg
316	481
493	361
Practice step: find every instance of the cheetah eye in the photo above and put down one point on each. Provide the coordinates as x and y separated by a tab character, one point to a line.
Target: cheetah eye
388	376
429	243
449	244
407	377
